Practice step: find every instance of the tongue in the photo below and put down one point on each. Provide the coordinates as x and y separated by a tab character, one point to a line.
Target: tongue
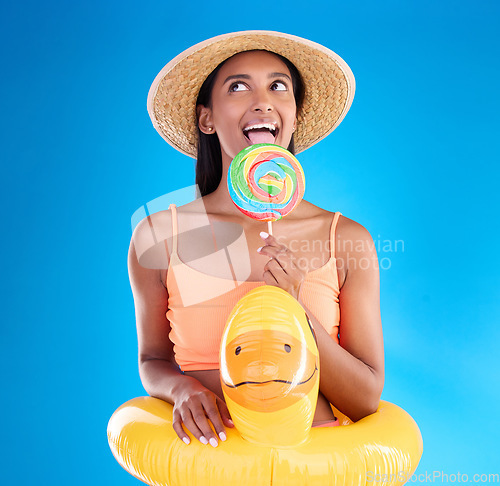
260	136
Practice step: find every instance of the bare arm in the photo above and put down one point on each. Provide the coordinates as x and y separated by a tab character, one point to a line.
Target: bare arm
160	374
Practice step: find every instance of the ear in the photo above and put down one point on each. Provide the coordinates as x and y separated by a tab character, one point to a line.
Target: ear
205	122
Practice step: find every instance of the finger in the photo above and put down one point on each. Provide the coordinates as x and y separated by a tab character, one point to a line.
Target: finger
224	413
270	279
282	256
270	240
200	416
212	411
277	276
179	430
275	251
276	269
192	422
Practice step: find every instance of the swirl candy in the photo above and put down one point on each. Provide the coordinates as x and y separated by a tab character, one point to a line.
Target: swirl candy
265	182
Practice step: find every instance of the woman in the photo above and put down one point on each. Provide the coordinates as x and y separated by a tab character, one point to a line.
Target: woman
221	96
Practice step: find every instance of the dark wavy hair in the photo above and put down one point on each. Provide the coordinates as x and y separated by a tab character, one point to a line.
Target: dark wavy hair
209	159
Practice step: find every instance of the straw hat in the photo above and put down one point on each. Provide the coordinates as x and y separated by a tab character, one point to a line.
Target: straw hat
328	81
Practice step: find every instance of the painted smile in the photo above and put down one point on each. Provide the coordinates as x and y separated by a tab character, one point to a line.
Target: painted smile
271	381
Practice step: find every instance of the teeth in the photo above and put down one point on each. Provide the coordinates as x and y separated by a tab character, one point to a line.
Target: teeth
270	126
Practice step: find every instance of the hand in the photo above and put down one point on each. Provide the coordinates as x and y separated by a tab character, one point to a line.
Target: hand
195	407
282	270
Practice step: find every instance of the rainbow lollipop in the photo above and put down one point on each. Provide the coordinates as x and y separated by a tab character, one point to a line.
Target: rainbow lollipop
265	182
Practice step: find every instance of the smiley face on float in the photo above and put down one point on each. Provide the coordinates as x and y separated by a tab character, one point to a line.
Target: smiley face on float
268	370
269	367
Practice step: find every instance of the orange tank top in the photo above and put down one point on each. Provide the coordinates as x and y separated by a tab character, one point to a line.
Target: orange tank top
197	324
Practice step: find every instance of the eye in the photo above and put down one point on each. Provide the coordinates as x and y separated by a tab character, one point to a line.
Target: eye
237	350
288	348
279	86
238	86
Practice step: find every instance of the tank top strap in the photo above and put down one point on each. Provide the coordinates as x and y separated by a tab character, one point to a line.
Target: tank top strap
173	209
335	220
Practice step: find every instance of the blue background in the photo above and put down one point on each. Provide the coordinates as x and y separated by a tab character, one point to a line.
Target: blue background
416	159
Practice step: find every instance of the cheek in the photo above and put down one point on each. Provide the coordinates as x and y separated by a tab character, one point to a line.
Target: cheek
227	125
226	118
292	109
288	110
224	106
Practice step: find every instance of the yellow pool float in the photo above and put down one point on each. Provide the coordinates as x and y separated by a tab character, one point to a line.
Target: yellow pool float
270	378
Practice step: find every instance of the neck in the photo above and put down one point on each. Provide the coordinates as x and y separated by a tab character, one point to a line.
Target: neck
220	200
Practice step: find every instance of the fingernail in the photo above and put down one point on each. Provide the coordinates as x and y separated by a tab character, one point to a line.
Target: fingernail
186	440
222	436
213	442
263	234
203	440
260	249
230	421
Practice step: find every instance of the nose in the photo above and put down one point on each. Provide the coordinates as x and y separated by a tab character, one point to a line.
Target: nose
262	102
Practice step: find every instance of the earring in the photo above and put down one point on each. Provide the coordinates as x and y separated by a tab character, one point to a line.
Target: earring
210	129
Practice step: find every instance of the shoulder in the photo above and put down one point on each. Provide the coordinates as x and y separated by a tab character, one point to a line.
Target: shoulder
158	219
150	239
350	230
355	251
151	229
158	227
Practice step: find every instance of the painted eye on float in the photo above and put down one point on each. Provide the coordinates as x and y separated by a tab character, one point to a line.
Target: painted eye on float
237	350
288	348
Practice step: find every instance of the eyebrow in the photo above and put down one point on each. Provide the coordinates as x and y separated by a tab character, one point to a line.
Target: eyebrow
246	76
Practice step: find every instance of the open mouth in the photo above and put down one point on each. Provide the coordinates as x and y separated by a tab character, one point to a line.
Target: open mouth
261	133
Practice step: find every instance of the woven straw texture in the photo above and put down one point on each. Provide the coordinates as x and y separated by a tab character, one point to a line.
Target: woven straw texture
329	86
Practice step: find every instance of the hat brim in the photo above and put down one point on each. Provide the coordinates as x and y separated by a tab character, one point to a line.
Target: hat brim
328	81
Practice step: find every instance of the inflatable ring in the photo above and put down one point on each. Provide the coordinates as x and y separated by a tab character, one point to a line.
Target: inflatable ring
269	366
387	442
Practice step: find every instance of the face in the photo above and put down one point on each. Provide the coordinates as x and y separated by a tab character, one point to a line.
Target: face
269	370
252	102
